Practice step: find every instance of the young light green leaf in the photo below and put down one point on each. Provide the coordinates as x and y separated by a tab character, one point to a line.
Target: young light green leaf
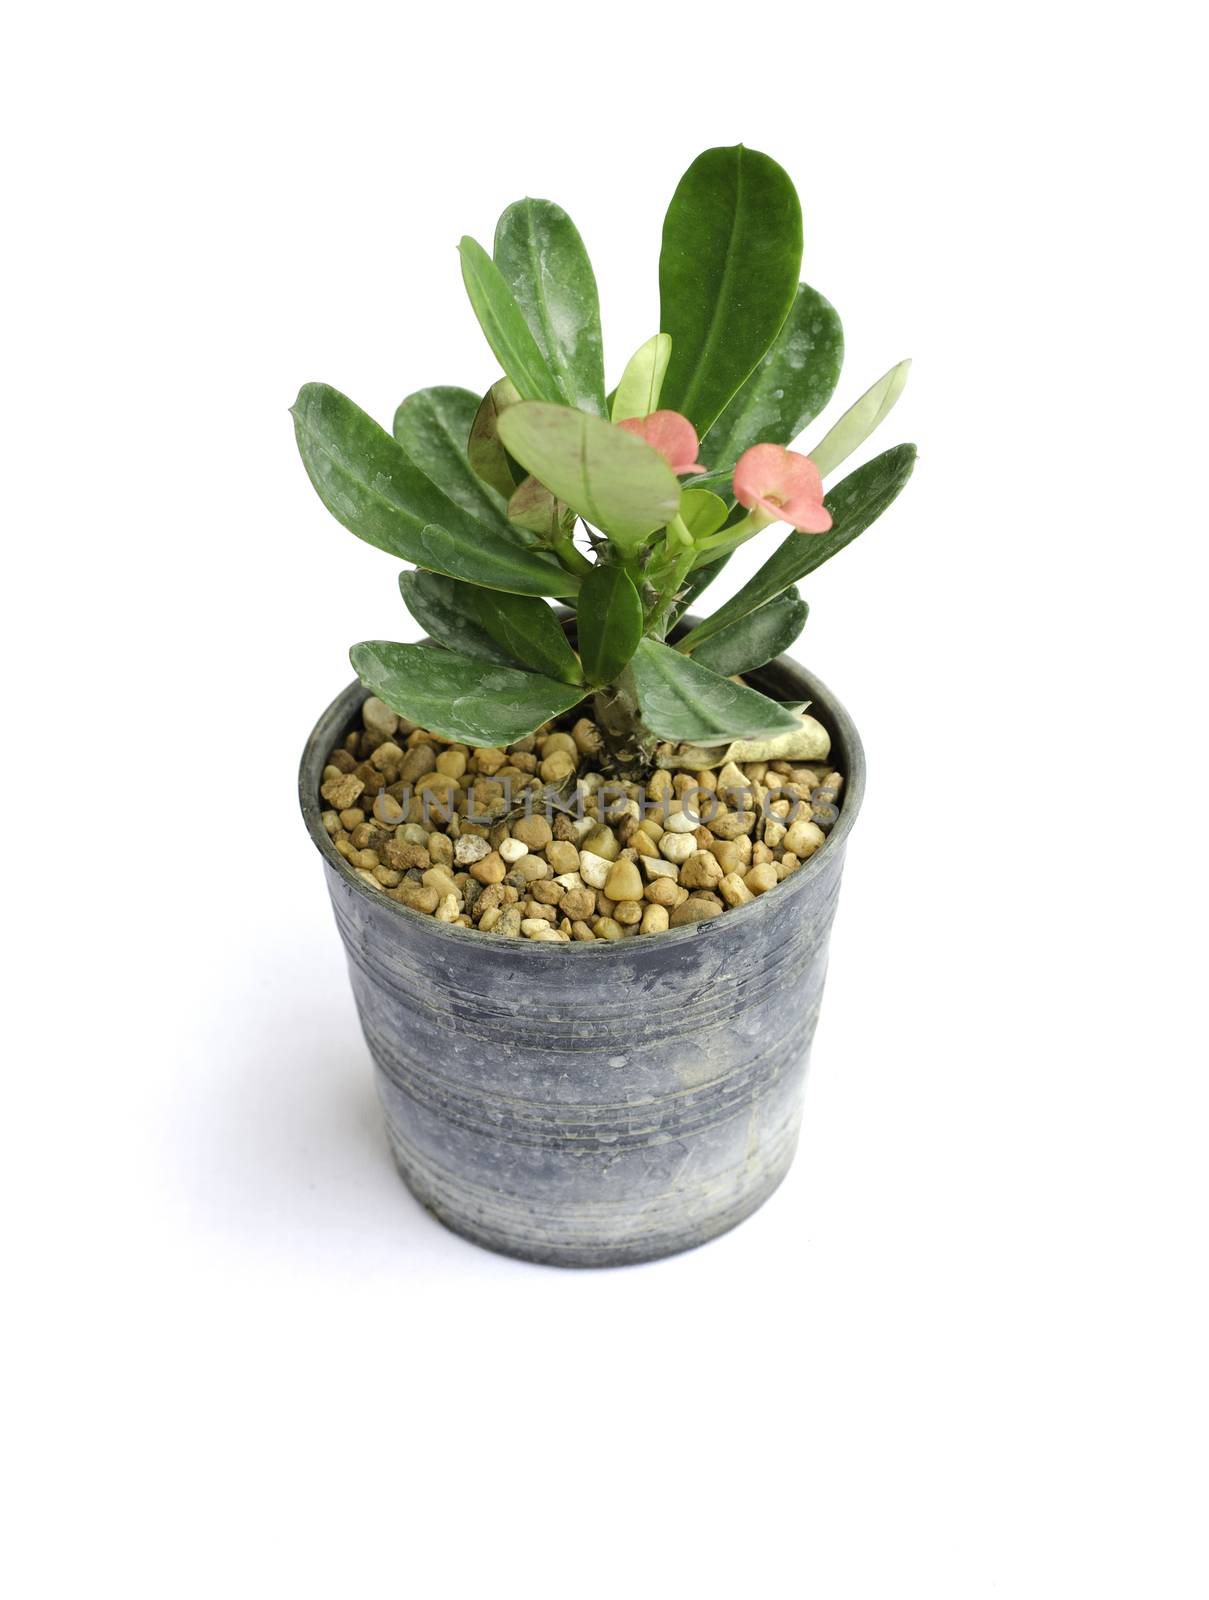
377	492
637	395
433	427
532	506
788	389
457	697
703	512
505	328
612	479
484	448
756	638
609	622
681	700
446	610
728	274
859	421
855	503
543	261
530	632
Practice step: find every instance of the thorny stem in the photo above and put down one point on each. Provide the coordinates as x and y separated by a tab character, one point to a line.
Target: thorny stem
630	745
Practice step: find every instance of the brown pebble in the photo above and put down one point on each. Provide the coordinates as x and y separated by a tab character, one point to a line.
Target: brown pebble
695	909
624	881
533	831
490	869
418	896
562	857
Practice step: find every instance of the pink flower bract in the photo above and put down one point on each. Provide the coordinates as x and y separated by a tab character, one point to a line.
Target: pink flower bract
784	484
672	435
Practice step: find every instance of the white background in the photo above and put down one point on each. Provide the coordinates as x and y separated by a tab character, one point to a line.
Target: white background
961	1353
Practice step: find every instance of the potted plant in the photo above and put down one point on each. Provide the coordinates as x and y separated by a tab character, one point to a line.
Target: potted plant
583	848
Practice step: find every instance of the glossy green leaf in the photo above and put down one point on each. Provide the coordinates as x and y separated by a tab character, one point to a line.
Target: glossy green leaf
433	427
609	622
530	632
612	479
681	700
377	492
543	261
756	638
703	512
859	421
504	325
457	697
854	504
788	389
447	612
484	448
728	274
637	395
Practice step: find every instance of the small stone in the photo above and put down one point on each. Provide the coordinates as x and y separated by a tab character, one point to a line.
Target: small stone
534	925
534	832
665	892
379	718
656	867
469	849
762	878
510	923
680	822
701	871
512	850
624	881
340	792
563	857
532	867
587	737
627	912
490	869
802	839
387	757
418	761
489	918
352	817
731	824
440	847
580	930
440	879
550	936
734	891
601	841
677	847
419	896
546	892
594	869
655	919
451	763
331	822
402	856
555	768
642	842
606	928
578	904
447	911
695	909
368	878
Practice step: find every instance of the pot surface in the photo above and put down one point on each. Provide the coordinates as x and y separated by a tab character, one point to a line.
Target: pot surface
602	1103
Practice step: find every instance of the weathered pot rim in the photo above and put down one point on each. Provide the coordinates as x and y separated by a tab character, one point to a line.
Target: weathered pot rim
796	684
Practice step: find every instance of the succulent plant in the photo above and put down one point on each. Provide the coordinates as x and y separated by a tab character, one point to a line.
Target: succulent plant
622	506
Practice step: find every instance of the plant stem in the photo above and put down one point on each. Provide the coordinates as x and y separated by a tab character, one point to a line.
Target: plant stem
574	560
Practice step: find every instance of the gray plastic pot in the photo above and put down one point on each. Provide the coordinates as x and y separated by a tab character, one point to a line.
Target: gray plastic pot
603	1103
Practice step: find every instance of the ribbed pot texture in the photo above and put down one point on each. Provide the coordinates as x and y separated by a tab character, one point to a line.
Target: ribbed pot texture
604	1103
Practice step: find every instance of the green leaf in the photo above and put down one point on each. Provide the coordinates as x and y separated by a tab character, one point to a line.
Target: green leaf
446	610
756	638
530	632
543	261
854	504
789	388
637	395
610	477
459	698
484	448
681	700
859	421
728	274
609	622
505	327
703	512
433	427
377	492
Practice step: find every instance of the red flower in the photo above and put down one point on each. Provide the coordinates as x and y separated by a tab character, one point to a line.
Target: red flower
672	435
784	484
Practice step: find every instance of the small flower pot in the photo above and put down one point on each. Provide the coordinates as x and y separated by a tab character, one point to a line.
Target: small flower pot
594	1104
